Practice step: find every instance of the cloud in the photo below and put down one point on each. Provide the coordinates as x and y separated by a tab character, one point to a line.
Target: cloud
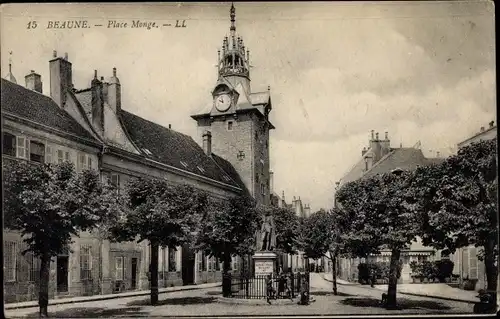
421	71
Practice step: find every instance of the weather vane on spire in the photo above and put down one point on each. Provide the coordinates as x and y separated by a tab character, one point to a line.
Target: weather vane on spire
233	15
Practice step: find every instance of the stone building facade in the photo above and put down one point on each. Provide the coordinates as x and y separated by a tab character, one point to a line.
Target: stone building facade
466	262
380	157
91	128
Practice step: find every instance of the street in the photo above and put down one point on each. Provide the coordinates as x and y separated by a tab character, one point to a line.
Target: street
351	300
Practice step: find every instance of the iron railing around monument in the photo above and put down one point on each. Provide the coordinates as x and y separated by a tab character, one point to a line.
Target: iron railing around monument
255	287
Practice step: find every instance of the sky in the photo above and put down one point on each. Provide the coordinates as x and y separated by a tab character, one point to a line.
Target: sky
422	71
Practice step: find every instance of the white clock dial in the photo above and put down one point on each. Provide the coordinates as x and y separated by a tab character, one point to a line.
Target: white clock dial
222	102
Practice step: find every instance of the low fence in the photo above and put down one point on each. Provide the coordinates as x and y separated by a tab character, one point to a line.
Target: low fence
255	287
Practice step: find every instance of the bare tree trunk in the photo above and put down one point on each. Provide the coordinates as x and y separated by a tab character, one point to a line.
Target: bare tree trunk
490	268
43	295
393	279
154	272
226	276
333	257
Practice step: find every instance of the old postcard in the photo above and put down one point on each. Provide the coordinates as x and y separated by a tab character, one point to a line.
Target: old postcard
249	159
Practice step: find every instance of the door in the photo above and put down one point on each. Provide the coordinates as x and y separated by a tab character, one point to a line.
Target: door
187	265
62	273
134	274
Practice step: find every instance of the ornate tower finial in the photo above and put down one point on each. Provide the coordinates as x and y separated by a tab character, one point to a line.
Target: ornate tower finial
233	18
10	76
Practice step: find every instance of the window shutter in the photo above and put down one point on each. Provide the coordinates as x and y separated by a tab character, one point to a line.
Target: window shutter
48	154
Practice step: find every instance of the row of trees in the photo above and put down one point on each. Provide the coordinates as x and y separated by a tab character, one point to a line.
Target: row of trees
49	204
449	205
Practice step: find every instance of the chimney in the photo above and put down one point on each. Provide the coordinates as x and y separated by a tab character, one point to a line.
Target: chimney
207	143
169	126
114	93
492	123
373	136
34	81
283	195
271	182
385	145
363	152
376	148
61	79
98	91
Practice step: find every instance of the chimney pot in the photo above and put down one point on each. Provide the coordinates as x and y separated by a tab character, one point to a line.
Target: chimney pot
207	143
114	71
376	136
95	74
373	136
102	78
66	56
169	126
386	136
34	82
54	54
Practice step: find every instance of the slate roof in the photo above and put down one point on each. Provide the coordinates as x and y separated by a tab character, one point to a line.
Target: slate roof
176	149
41	109
403	158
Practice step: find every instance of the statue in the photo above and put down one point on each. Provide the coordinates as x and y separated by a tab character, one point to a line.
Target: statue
266	239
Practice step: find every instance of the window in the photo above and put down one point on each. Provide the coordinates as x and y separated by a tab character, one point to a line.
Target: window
85	262
34	267
262	189
60	157
67	157
89	162
211	263
119	268
234	263
8	144
22	147
48	154
230	125
37	152
115	181
82	162
172	265
10	261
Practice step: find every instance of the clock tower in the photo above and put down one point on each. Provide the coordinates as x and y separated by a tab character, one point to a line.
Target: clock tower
238	119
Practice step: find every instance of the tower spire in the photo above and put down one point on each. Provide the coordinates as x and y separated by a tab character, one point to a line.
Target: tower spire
10	76
233	19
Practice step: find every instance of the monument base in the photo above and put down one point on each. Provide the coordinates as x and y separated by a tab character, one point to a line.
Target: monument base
264	264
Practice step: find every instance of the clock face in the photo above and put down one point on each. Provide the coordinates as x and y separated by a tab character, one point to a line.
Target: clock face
222	102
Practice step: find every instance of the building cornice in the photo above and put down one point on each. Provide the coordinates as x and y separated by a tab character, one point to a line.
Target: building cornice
52	130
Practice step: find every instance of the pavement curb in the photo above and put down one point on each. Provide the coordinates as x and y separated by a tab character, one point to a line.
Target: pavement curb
261	302
62	301
413	294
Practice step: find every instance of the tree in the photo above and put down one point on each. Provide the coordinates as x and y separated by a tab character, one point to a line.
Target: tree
229	230
163	214
458	199
380	215
49	204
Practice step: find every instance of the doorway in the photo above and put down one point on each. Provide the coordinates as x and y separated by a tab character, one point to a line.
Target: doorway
188	257
134	274
62	274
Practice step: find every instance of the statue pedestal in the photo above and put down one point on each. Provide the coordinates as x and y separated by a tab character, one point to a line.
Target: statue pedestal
264	264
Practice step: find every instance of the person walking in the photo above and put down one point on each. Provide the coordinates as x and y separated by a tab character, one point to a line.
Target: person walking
270	291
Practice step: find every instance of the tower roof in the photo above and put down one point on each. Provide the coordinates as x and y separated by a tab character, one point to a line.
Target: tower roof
233	59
